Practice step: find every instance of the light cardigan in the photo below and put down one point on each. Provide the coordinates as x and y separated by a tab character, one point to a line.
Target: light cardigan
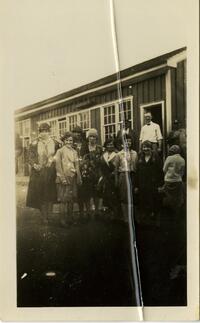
66	163
174	168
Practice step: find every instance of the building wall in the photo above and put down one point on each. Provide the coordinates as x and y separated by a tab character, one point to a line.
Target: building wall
179	80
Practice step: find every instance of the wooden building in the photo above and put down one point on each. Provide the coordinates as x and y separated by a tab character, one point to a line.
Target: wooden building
157	85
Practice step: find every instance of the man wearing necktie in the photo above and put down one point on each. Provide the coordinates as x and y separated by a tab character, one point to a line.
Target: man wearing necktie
151	132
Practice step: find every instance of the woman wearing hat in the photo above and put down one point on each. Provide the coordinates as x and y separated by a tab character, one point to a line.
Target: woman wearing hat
90	166
42	187
174	169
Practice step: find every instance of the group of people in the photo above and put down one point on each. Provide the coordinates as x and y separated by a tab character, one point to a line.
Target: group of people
113	177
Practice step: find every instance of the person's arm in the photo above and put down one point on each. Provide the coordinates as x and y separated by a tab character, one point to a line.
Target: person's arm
77	167
160	145
117	161
165	167
159	137
182	170
141	139
33	156
59	169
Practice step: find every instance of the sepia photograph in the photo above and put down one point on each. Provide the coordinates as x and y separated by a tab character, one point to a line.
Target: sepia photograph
103	163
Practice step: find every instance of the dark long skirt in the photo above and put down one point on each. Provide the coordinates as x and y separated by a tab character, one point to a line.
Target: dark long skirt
173	195
42	187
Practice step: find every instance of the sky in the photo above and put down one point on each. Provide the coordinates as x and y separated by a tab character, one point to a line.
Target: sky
51	46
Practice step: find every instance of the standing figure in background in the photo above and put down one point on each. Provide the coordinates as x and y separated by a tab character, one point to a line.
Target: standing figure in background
148	179
91	153
125	168
125	130
106	184
79	144
151	132
79	141
42	188
18	150
178	137
174	169
68	177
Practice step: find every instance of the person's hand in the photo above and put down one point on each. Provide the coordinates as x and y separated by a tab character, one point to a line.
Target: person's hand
50	161
37	167
136	190
64	182
159	150
160	190
79	180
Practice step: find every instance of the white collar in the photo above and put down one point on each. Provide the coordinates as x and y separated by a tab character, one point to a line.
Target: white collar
108	157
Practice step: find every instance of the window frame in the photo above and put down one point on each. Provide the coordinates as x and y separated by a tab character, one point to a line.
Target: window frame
117	123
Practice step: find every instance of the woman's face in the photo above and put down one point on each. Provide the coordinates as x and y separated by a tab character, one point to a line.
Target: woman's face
68	142
146	150
127	143
44	134
110	147
92	139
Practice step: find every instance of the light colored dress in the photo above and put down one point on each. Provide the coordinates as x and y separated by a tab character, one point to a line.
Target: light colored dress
125	163
66	170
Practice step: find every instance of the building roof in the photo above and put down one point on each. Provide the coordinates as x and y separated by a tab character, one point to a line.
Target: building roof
157	61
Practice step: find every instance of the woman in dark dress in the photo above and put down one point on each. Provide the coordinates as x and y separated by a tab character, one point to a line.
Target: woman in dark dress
148	178
42	188
106	184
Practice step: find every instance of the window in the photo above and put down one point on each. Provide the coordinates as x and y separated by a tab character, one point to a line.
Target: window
125	110
62	127
109	121
81	119
23	128
113	116
54	128
84	120
72	122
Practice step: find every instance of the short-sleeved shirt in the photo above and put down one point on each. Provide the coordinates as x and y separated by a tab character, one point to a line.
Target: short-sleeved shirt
151	132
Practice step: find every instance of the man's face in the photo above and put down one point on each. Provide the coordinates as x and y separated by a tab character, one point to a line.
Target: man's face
77	136
92	139
127	124
148	119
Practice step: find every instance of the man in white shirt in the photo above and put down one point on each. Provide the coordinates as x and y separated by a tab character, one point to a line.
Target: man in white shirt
151	132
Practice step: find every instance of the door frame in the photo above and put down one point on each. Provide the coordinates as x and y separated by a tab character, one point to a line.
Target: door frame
148	105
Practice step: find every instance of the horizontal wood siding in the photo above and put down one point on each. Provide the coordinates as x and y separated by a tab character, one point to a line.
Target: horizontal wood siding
181	92
178	82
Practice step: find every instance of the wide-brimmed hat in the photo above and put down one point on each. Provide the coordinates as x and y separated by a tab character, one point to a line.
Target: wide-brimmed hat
44	126
92	132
